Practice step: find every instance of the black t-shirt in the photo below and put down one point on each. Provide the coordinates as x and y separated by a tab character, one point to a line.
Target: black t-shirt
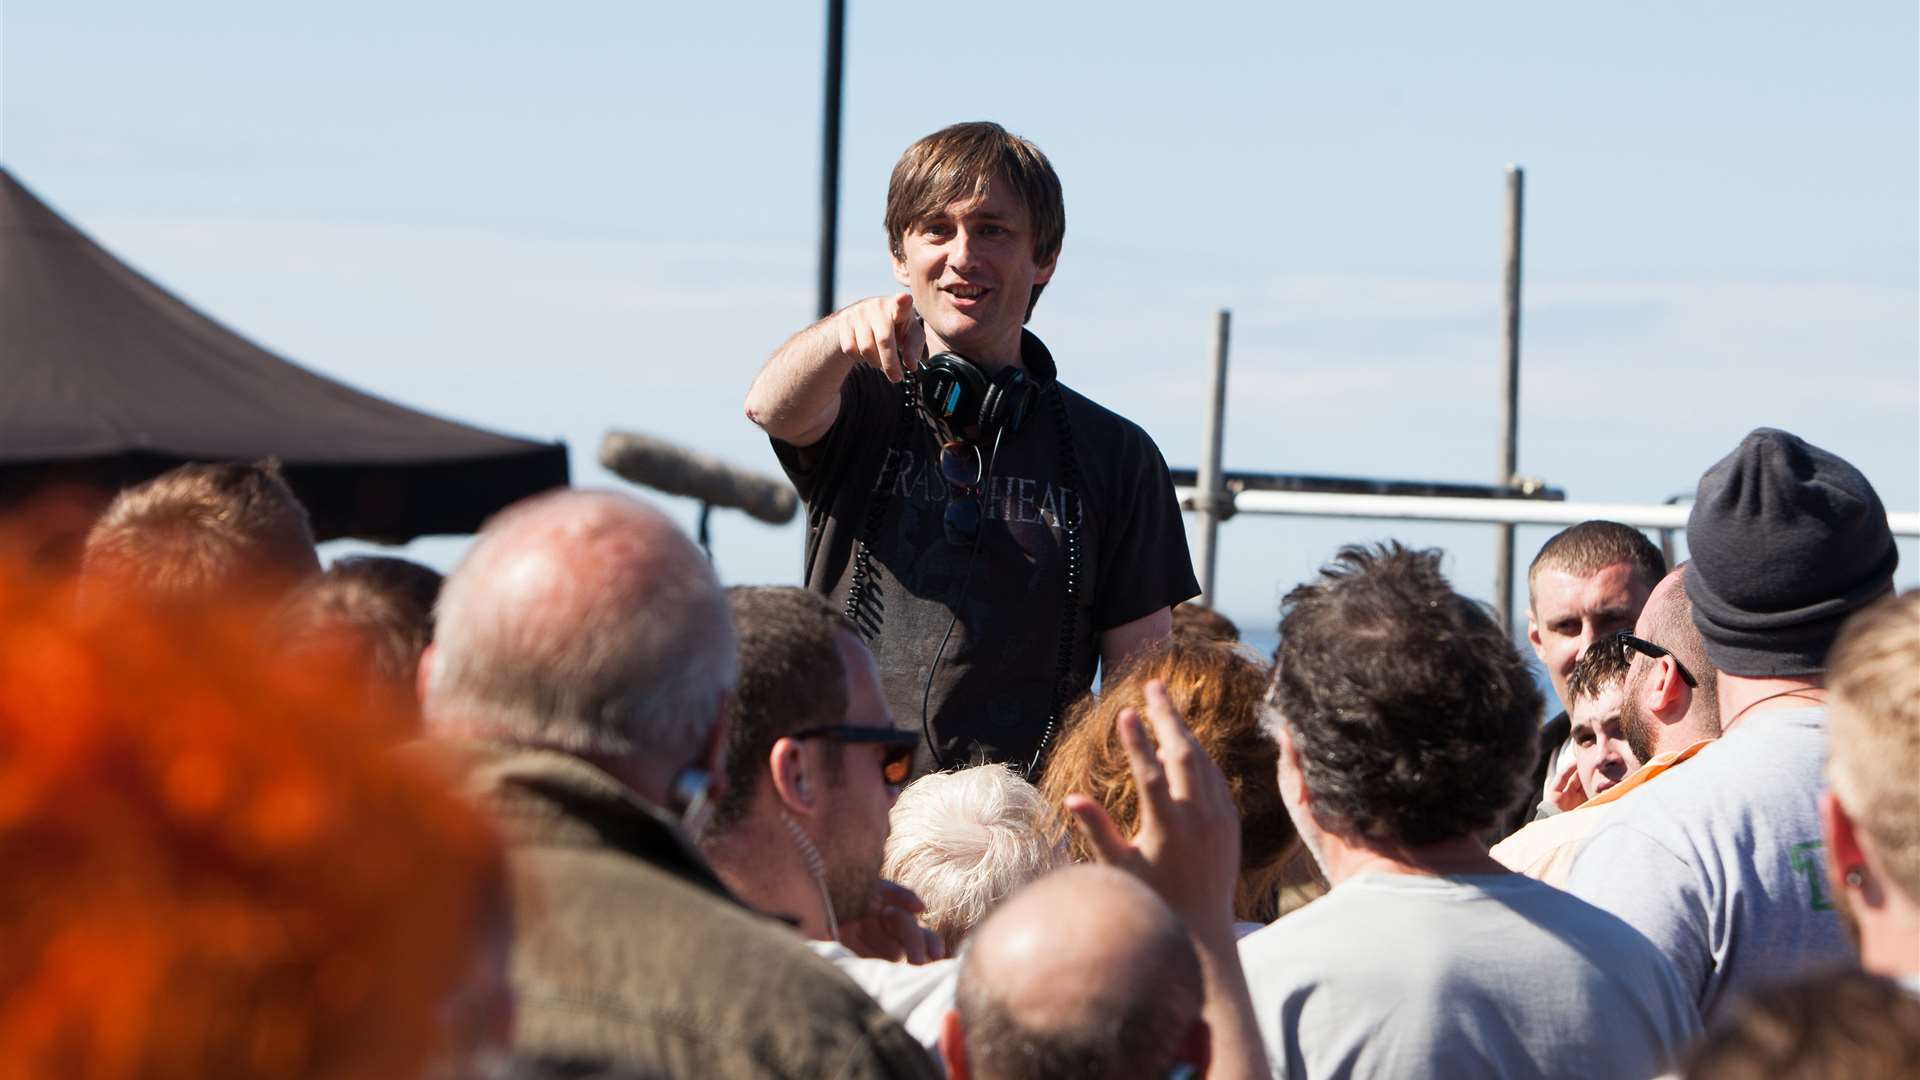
996	680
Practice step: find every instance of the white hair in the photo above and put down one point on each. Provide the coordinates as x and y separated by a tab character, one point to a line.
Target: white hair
964	841
585	622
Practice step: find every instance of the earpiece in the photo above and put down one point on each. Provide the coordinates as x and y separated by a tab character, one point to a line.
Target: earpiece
689	798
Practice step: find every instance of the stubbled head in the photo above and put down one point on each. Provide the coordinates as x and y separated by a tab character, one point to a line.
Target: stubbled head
1086	972
1587	582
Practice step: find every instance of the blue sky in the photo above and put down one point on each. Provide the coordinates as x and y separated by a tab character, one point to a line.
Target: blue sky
557	220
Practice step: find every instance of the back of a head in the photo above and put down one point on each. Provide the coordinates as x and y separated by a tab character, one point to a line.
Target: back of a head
791	678
1411	710
1786	540
377	608
582	621
1086	973
1591	546
1841	1025
199	532
964	841
1874	732
210	864
1667	621
1218	690
1196	620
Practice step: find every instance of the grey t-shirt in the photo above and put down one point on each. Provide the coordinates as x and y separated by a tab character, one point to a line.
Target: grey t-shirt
1495	975
1720	866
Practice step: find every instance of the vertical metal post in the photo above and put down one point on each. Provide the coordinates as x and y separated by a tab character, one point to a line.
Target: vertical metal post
830	156
1213	501
1509	395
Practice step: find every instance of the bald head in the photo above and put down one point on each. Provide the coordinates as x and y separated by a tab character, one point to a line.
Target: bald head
582	621
1086	972
1667	621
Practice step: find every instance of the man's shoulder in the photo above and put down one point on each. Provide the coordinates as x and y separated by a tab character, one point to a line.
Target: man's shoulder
1539	845
1094	422
619	959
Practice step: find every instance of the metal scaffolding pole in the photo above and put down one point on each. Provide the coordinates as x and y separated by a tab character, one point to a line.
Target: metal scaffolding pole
1509	395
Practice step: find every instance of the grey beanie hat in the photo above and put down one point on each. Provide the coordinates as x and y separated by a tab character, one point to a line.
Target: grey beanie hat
1787	541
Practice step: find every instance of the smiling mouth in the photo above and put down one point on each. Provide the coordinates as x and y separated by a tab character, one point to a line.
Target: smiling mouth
967	293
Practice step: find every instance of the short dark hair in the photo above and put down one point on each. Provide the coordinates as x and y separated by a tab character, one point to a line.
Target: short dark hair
961	162
1143	1039
1839	1023
385	604
202	529
1602	666
1592	546
791	678
1413	714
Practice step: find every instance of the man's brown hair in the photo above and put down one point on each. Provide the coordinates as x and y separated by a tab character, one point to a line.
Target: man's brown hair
1592	546
960	164
1597	671
1874	728
378	607
200	530
1218	689
791	679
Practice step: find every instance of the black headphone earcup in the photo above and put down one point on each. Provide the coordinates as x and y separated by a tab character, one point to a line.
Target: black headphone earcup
1009	399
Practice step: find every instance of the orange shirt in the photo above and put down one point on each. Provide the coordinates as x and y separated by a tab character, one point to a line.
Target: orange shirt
1544	849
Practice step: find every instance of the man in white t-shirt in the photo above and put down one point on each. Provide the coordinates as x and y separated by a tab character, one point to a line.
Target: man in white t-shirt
1722	866
1402	713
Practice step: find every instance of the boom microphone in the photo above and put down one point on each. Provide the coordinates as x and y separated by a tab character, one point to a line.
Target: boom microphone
665	467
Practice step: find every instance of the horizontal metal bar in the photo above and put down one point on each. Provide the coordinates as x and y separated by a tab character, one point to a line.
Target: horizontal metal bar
1354	485
1489	511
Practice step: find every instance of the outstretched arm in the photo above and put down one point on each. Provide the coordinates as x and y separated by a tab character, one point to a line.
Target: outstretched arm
1188	849
796	396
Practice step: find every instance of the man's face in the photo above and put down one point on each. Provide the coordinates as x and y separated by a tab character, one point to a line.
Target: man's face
1569	613
971	270
854	808
1601	754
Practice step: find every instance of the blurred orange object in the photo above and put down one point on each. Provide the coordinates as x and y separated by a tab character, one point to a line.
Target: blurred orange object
210	863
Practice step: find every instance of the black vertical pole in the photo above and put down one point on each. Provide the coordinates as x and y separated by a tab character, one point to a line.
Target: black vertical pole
830	154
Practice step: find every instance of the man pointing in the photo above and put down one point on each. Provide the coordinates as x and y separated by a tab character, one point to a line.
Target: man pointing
993	533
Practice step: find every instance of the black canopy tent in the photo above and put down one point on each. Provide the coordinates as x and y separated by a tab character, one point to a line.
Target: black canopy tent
107	379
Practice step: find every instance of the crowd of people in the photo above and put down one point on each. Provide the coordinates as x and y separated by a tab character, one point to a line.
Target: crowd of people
577	810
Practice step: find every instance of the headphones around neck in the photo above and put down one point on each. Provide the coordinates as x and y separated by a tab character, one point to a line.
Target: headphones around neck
965	401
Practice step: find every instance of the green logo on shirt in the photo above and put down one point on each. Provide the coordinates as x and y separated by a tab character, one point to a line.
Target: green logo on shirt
1806	861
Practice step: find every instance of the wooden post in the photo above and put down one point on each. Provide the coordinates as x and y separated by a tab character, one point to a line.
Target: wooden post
1214	508
830	157
1509	395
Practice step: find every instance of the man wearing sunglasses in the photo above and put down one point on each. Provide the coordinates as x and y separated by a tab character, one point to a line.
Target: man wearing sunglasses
814	763
1669	711
996	543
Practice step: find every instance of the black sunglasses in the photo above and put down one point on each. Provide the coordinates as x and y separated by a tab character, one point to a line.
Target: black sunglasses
1644	647
960	468
895	767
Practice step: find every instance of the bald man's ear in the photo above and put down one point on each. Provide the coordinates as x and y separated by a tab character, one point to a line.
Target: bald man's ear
423	672
953	1046
788	770
1664	689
